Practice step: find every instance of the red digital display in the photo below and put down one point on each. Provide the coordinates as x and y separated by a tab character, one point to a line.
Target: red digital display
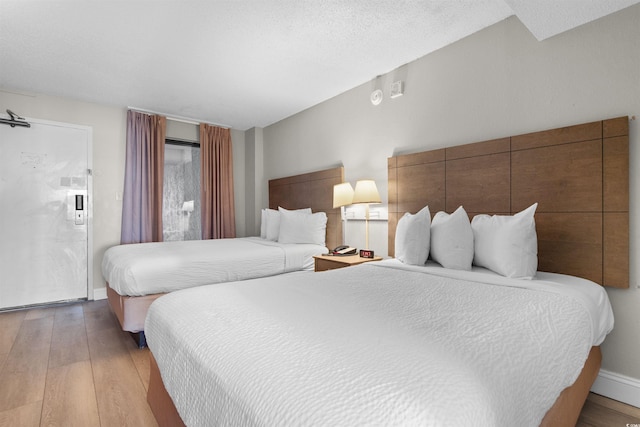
366	253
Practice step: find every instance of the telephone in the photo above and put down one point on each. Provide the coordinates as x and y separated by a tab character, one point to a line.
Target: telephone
344	250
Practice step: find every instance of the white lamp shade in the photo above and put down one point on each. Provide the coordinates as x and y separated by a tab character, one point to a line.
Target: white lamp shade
366	192
342	194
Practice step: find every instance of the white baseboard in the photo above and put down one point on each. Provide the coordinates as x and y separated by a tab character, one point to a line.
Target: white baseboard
100	293
618	387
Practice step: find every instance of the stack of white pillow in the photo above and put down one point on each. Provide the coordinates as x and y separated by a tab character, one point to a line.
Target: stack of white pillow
293	226
507	245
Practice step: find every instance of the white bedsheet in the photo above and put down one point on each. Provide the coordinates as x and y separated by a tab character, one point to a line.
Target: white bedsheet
592	296
151	268
372	345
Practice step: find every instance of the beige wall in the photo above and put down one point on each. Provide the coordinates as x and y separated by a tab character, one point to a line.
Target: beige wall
497	82
109	141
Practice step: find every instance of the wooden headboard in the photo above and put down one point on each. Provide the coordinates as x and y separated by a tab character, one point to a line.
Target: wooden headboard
579	175
311	190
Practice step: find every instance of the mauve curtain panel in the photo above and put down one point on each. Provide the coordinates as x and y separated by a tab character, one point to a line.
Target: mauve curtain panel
216	174
144	168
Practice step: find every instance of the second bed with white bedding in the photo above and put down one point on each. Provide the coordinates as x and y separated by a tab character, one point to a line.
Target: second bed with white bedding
380	343
154	268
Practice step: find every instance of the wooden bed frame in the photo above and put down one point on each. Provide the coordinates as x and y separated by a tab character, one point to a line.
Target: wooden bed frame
311	190
314	190
579	175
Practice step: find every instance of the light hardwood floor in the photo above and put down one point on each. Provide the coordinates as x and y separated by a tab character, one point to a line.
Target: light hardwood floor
72	365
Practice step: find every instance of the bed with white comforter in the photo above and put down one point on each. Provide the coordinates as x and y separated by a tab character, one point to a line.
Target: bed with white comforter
154	268
380	343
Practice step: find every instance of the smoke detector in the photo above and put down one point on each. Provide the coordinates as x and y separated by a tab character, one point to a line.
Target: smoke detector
376	97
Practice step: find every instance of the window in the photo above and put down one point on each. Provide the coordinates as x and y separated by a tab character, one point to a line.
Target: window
181	191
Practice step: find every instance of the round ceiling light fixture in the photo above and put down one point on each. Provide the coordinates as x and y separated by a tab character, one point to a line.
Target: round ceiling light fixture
376	97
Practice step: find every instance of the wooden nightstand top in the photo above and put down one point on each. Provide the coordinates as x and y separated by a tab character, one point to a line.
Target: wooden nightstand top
330	262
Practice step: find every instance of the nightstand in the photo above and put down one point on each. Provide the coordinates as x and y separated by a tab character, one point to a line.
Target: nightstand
331	262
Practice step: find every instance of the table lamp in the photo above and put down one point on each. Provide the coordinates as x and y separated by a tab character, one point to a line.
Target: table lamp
342	196
366	193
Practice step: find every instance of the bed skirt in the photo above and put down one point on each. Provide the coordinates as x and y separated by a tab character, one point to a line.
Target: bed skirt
130	311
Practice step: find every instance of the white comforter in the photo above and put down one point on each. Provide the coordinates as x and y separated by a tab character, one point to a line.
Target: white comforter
151	268
375	345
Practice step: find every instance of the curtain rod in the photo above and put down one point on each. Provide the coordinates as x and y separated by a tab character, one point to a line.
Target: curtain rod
177	118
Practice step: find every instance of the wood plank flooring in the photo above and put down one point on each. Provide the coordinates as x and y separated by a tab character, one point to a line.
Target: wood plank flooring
72	365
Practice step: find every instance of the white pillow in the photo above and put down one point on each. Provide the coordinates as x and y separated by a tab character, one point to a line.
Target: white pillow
412	237
272	221
263	224
507	245
272	224
452	240
302	227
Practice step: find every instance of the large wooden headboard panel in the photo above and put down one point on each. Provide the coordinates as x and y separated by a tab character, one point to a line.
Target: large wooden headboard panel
579	175
311	190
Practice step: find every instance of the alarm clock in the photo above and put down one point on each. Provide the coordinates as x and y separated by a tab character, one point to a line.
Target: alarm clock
366	253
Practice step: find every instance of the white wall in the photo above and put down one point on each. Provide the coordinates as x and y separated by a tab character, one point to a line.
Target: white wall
109	143
497	82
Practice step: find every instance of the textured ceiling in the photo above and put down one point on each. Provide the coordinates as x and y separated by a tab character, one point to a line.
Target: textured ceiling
242	63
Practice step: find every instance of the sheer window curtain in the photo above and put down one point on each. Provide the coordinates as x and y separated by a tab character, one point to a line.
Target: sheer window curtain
216	172
142	197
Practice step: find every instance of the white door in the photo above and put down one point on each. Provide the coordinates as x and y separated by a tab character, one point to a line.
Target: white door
44	215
